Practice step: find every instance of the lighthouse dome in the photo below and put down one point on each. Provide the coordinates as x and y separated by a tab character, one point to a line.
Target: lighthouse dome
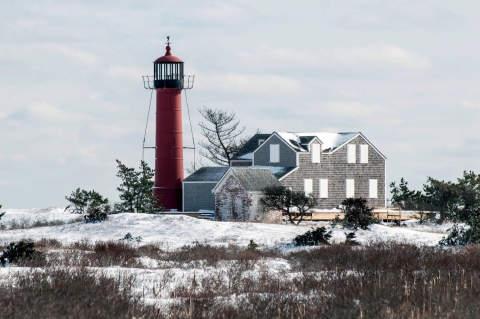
168	57
168	71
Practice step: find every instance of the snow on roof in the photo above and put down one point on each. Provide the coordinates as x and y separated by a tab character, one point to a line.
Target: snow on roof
330	141
246	156
207	174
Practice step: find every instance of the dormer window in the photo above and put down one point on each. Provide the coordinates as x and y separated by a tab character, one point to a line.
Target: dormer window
260	141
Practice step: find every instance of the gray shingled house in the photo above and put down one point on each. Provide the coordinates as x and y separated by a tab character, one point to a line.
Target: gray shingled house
333	166
197	189
238	192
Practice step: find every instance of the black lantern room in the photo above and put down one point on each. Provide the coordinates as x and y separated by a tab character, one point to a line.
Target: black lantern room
168	72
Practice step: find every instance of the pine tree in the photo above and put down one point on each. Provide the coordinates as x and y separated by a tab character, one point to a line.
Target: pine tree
357	214
136	189
284	199
82	202
1	214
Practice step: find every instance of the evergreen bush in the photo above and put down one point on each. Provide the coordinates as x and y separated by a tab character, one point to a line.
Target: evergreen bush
17	252
350	239
357	213
318	236
97	215
461	235
252	246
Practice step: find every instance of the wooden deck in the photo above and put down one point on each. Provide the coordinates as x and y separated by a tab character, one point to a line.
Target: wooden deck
382	213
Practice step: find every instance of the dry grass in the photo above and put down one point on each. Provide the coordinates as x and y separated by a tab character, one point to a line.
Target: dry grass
69	293
379	280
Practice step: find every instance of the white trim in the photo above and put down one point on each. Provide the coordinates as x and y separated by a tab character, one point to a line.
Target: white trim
385	185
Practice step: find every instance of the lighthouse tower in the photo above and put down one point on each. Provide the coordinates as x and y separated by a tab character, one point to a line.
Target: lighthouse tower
168	82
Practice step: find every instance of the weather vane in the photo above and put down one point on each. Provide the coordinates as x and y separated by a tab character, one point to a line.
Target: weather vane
168	40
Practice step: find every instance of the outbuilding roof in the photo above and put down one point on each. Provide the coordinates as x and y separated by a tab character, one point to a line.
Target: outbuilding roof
277	171
255	179
245	153
207	174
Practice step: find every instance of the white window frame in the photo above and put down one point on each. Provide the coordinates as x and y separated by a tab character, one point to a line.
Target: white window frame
351	154
364	153
274	153
315	150
308	186
323	188
350	188
373	188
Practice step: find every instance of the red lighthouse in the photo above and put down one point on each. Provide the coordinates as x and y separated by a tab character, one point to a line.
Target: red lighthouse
168	82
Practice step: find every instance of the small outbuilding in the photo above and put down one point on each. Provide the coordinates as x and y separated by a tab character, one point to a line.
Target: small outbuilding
238	193
197	189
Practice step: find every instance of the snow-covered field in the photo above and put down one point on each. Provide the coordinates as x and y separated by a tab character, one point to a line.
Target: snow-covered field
174	231
158	280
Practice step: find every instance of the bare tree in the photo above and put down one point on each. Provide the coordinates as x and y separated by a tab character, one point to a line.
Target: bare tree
222	132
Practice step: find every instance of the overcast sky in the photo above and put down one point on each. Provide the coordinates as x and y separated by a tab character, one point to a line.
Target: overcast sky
404	73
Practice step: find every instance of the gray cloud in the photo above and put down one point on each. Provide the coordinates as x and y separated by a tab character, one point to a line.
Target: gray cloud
72	98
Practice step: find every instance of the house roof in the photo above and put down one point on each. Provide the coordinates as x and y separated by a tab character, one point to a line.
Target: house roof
207	174
254	179
245	153
330	141
277	171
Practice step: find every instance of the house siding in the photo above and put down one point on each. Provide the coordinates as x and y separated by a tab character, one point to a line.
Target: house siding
198	196
231	201
288	157
335	168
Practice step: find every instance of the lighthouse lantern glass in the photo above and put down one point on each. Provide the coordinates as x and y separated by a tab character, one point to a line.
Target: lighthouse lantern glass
168	75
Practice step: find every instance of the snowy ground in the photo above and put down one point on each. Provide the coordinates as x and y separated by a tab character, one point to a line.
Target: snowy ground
155	282
173	231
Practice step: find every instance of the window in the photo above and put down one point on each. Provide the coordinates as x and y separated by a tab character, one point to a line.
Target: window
323	188
350	188
364	154
351	154
315	153
372	188
260	141
307	186
274	153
